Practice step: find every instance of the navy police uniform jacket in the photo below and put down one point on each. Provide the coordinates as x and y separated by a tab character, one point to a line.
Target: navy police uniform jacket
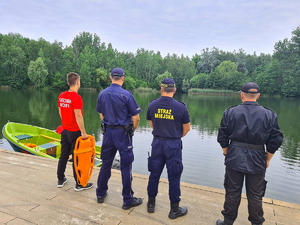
247	129
167	116
117	105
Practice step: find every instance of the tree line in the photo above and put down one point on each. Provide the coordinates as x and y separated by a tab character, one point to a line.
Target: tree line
43	65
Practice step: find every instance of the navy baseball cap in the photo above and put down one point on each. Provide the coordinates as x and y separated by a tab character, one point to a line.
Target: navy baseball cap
117	72
248	86
168	82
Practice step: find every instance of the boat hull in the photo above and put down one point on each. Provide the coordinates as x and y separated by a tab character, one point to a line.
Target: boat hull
36	140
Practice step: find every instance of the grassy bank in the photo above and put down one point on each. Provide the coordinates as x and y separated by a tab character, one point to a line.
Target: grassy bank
196	91
142	90
5	87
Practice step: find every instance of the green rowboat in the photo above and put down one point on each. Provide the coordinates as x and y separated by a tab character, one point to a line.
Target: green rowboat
37	140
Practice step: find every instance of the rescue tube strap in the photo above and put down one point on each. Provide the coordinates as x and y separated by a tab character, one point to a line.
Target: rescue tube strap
246	145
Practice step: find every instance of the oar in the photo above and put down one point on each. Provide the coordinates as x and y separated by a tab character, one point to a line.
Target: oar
54	139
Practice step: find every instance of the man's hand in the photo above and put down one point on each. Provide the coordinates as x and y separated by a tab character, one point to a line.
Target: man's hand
225	150
268	158
84	136
267	164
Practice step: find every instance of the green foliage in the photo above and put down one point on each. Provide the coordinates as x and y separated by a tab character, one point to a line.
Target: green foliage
209	60
287	54
59	81
228	76
196	58
240	60
37	73
102	78
141	83
93	60
162	76
199	81
185	85
270	81
68	61
180	67
148	65
129	83
87	62
83	40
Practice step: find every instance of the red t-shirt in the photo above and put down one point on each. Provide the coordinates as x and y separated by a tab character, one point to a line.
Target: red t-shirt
67	102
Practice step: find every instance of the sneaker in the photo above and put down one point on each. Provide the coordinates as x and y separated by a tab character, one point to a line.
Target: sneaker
136	202
79	187
61	183
100	199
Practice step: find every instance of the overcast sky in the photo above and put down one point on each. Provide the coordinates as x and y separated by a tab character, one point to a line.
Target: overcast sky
171	26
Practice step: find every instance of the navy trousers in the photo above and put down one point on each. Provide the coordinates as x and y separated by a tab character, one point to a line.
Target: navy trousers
255	190
115	140
68	140
165	152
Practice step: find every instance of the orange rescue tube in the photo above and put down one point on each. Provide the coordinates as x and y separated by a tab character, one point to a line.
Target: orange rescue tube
84	153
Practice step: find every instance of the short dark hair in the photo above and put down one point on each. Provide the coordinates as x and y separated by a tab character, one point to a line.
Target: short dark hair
251	95
72	78
168	89
116	77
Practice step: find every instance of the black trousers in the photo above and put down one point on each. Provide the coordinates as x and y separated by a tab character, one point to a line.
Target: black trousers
255	190
68	140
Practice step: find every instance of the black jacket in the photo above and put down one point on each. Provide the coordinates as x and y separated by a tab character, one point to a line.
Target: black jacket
249	123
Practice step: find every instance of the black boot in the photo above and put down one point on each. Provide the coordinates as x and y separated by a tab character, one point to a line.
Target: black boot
151	204
220	222
177	211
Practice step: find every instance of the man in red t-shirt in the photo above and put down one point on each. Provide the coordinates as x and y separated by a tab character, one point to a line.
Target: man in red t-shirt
70	108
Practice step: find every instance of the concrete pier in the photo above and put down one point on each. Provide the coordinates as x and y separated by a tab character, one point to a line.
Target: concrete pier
28	195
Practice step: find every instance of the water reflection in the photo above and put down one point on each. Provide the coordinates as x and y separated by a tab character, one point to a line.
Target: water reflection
202	155
39	107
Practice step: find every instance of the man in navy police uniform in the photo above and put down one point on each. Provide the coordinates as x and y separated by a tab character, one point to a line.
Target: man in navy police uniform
170	122
245	131
119	113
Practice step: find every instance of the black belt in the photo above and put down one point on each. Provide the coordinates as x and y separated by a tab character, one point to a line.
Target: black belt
246	145
115	126
156	136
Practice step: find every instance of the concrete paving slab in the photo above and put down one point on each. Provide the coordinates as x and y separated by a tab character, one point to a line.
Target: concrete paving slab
4	218
18	221
29	196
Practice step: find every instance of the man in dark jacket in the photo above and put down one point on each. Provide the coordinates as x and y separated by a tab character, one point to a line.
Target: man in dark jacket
249	136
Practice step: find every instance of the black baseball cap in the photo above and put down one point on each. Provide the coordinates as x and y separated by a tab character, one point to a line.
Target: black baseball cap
248	86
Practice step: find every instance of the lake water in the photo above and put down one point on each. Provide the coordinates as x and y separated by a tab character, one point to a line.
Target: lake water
202	156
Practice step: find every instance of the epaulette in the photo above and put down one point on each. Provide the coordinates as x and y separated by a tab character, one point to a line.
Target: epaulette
182	102
269	109
231	107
